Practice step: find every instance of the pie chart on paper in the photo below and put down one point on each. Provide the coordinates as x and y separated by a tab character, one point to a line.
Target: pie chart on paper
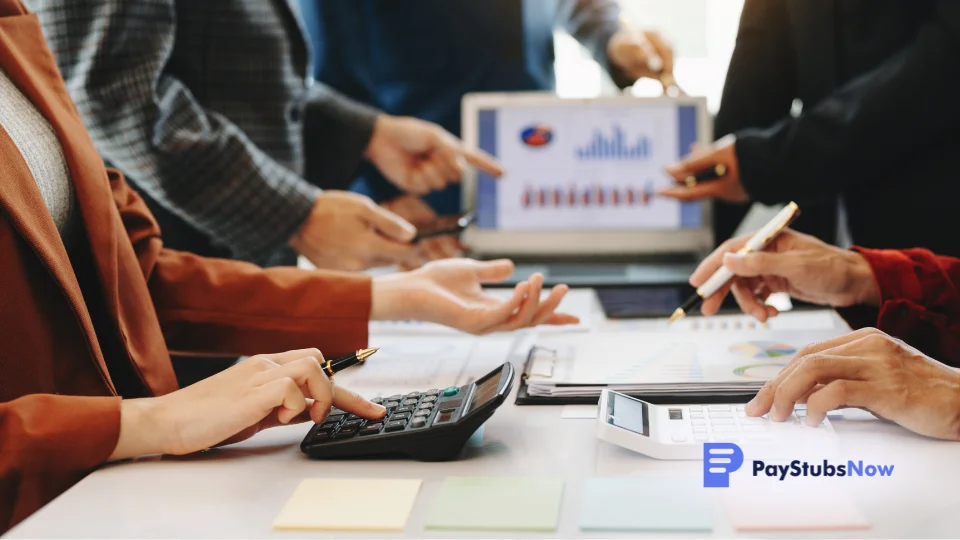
763	350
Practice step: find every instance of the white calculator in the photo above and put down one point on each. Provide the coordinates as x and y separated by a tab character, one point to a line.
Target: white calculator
677	432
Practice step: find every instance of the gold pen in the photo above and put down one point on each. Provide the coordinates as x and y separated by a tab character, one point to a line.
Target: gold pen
723	275
336	365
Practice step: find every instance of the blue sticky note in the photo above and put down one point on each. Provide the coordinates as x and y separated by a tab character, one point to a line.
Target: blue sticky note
645	504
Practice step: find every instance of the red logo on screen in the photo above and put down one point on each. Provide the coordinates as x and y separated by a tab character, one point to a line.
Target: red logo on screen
537	136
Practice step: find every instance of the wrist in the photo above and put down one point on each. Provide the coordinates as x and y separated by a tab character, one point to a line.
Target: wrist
862	281
140	429
389	301
378	127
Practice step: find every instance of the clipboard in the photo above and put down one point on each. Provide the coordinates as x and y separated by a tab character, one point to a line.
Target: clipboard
675	398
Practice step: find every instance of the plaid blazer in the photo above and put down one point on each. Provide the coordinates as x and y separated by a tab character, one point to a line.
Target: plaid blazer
204	106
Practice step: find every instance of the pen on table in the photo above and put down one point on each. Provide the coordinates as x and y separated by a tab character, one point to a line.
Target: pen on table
716	172
336	365
723	275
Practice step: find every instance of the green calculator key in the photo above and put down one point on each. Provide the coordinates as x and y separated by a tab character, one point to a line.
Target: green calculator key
452	391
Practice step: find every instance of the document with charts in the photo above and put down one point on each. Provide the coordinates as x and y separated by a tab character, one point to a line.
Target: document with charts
633	362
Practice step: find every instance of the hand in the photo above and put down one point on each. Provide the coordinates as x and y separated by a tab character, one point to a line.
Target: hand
870	370
261	392
420	157
449	292
631	51
346	231
414	210
794	263
728	188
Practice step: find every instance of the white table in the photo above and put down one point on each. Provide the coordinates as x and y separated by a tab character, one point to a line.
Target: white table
236	492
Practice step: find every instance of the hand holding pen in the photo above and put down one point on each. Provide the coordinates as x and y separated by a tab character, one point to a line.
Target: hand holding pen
722	276
712	172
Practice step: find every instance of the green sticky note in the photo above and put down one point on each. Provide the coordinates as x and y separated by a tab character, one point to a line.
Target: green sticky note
645	504
496	504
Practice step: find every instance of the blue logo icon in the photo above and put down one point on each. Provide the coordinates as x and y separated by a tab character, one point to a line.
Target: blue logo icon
537	136
719	460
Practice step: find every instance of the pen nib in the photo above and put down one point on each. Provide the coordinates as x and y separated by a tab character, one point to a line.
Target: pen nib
677	315
366	353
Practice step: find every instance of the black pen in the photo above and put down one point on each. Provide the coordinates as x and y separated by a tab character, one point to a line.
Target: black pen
716	172
336	365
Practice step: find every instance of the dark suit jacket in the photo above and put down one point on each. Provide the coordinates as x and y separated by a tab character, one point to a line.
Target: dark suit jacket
80	332
880	125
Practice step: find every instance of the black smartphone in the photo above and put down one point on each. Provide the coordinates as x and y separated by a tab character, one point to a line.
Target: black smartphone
445	226
650	301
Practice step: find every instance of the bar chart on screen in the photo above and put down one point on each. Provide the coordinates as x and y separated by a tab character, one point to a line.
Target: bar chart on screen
616	146
574	196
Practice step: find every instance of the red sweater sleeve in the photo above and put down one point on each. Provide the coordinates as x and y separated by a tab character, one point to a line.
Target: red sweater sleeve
919	300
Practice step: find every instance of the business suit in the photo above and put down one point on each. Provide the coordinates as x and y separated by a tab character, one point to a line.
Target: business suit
879	126
419	57
206	106
81	330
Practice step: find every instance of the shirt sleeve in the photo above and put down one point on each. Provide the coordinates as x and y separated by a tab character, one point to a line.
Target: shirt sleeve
593	23
875	125
220	307
47	444
146	122
919	301
337	131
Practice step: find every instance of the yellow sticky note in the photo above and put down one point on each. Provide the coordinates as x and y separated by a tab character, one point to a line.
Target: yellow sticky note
344	504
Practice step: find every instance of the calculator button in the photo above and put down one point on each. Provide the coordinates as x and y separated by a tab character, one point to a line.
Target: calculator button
698	422
400	416
398	425
404	409
413	395
395	397
452	391
351	423
432	392
696	414
418	423
426	406
741	407
408	402
712	408
715	414
699	429
371	429
391	404
346	433
679	438
697	408
376	400
728	429
334	418
335	411
723	421
353	417
420	414
323	434
329	425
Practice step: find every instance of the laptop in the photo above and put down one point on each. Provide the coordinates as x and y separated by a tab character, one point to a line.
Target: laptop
578	201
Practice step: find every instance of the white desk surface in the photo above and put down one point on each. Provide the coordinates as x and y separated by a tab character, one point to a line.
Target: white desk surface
236	492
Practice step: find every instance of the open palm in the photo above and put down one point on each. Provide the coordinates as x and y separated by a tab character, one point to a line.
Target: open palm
450	292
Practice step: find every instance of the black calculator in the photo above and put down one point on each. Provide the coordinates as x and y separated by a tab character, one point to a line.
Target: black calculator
428	426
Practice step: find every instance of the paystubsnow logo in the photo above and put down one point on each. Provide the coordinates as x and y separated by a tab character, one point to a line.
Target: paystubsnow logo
722	459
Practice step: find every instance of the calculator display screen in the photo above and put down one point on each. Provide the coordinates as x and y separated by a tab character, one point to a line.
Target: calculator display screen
629	414
484	392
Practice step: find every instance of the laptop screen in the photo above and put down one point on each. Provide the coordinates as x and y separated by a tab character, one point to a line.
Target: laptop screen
590	167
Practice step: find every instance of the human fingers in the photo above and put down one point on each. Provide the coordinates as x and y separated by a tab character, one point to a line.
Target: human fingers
748	302
711	305
312	382
714	261
527	310
704	190
663	49
282	394
549	305
764	263
491	318
839	394
432	176
492	272
814	370
388	224
352	402
762	402
483	161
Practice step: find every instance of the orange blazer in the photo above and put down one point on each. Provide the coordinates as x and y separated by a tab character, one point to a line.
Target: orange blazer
59	404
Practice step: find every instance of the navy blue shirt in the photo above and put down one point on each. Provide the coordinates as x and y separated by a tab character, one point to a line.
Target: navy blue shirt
419	57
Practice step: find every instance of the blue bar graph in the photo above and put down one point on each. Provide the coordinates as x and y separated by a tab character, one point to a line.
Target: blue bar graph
615	147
